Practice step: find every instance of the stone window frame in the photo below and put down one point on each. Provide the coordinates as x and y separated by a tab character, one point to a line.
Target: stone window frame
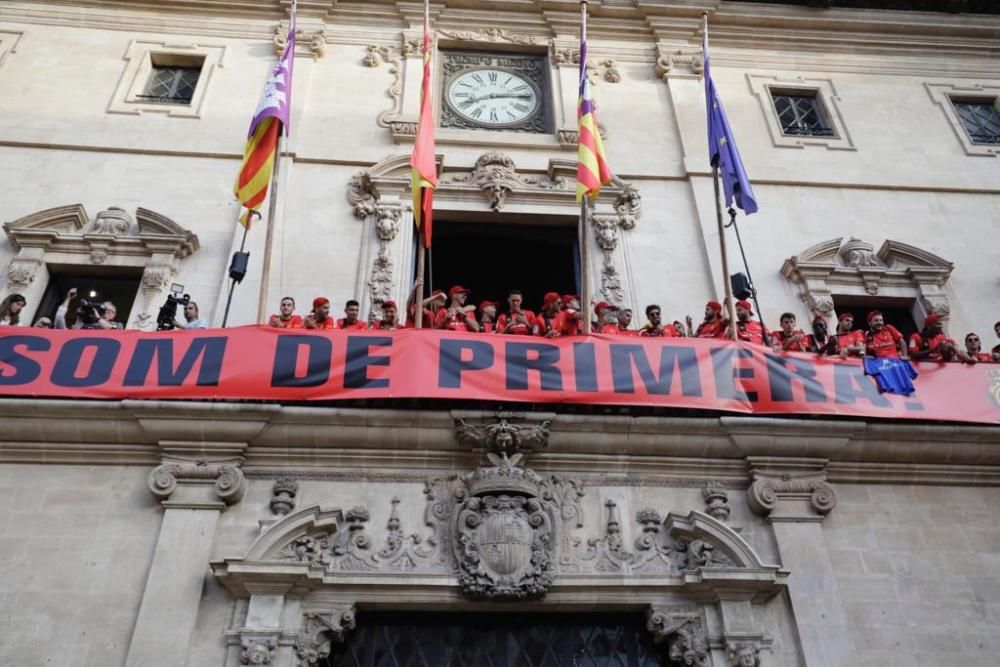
140	56
943	94
763	86
8	43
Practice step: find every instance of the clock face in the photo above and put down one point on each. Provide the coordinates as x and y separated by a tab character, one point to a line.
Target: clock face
493	97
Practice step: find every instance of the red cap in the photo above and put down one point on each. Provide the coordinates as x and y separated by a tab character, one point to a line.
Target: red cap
714	305
484	304
566	298
872	314
602	306
932	319
844	316
390	304
320	301
457	289
744	304
550	297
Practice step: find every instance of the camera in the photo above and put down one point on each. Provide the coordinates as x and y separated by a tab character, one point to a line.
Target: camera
89	312
165	321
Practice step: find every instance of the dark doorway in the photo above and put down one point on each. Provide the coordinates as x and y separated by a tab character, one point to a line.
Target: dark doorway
421	639
117	284
897	312
490	259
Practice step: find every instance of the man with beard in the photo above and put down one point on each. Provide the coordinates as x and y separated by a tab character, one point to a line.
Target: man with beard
654	326
286	317
319	318
607	318
390	317
883	340
931	344
545	321
820	341
352	317
848	341
713	325
488	316
624	321
457	316
746	329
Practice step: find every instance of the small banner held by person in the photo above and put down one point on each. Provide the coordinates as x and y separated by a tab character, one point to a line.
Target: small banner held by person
261	363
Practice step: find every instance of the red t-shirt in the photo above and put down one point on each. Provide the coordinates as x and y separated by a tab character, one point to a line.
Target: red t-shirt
457	323
884	343
487	327
544	323
778	338
328	323
293	322
519	328
358	325
716	329
850	338
411	322
917	344
669	331
568	324
609	329
383	327
629	332
983	356
751	332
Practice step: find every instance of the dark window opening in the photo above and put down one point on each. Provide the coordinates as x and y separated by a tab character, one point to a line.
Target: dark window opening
172	79
492	258
801	114
118	285
420	639
897	312
981	120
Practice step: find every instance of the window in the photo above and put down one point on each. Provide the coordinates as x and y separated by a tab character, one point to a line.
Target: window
980	118
801	114
897	312
171	84
119	285
499	640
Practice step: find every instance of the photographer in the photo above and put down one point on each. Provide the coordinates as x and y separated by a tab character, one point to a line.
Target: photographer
89	314
191	317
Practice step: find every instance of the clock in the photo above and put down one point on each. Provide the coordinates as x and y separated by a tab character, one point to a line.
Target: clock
494	91
493	97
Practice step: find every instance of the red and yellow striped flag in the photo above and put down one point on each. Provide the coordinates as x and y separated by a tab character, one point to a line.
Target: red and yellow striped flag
269	120
592	170
423	160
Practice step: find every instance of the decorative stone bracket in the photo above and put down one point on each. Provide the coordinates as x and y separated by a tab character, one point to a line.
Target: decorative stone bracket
853	267
213	484
790	490
321	630
679	63
310	43
503	436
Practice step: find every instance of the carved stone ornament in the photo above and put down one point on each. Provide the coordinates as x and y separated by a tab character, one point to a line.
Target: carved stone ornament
670	60
682	631
257	651
489	35
114	221
307	42
765	493
503	436
853	267
283	495
21	274
226	476
716	500
743	654
496	175
611	73
319	631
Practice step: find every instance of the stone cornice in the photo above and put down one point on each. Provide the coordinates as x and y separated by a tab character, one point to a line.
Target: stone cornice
323	442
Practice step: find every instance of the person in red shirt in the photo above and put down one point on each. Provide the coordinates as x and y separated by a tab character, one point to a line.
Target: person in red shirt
351	319
431	305
848	341
654	326
286	317
544	324
569	321
319	318
457	316
488	316
607	318
516	321
789	339
974	349
996	348
746	329
390	317
713	326
883	340
820	341
624	321
932	344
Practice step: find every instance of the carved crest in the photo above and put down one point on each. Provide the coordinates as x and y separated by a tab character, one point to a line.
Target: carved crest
496	175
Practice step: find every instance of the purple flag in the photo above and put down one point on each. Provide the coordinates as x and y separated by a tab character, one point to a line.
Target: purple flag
276	100
722	151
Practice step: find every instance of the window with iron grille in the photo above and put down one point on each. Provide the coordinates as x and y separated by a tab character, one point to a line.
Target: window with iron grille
981	120
801	114
172	82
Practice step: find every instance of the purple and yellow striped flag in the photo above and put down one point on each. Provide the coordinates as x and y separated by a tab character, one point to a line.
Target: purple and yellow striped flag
269	120
592	170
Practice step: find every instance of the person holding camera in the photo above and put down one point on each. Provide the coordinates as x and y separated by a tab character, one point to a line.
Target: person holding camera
89	314
191	318
10	310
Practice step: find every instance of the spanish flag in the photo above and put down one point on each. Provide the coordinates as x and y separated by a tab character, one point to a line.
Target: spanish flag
592	170
269	120
423	161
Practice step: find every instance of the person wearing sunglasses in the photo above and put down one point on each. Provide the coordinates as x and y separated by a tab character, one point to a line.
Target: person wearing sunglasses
974	348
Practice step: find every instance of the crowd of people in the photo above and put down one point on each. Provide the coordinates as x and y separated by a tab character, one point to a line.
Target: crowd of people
561	315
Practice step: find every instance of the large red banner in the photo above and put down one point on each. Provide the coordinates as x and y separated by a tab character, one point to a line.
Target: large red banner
279	365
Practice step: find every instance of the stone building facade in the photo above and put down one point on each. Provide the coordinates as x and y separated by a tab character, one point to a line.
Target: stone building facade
214	533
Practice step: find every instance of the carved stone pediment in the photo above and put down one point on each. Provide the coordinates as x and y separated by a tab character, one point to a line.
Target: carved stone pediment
854	267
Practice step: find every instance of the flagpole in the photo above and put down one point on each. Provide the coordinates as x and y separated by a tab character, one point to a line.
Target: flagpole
725	260
584	203
232	277
746	267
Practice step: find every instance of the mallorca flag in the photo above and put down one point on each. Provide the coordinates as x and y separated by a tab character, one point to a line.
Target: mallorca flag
423	161
270	119
592	170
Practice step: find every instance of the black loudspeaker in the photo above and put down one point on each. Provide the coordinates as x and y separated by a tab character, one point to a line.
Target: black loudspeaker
238	267
742	289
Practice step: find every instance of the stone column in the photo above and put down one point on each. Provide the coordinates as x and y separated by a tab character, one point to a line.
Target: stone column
193	492
794	497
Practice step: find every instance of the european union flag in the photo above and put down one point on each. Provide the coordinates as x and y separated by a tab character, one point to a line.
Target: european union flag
722	151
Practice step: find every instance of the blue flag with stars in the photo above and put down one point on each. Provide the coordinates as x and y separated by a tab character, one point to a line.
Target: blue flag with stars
722	151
